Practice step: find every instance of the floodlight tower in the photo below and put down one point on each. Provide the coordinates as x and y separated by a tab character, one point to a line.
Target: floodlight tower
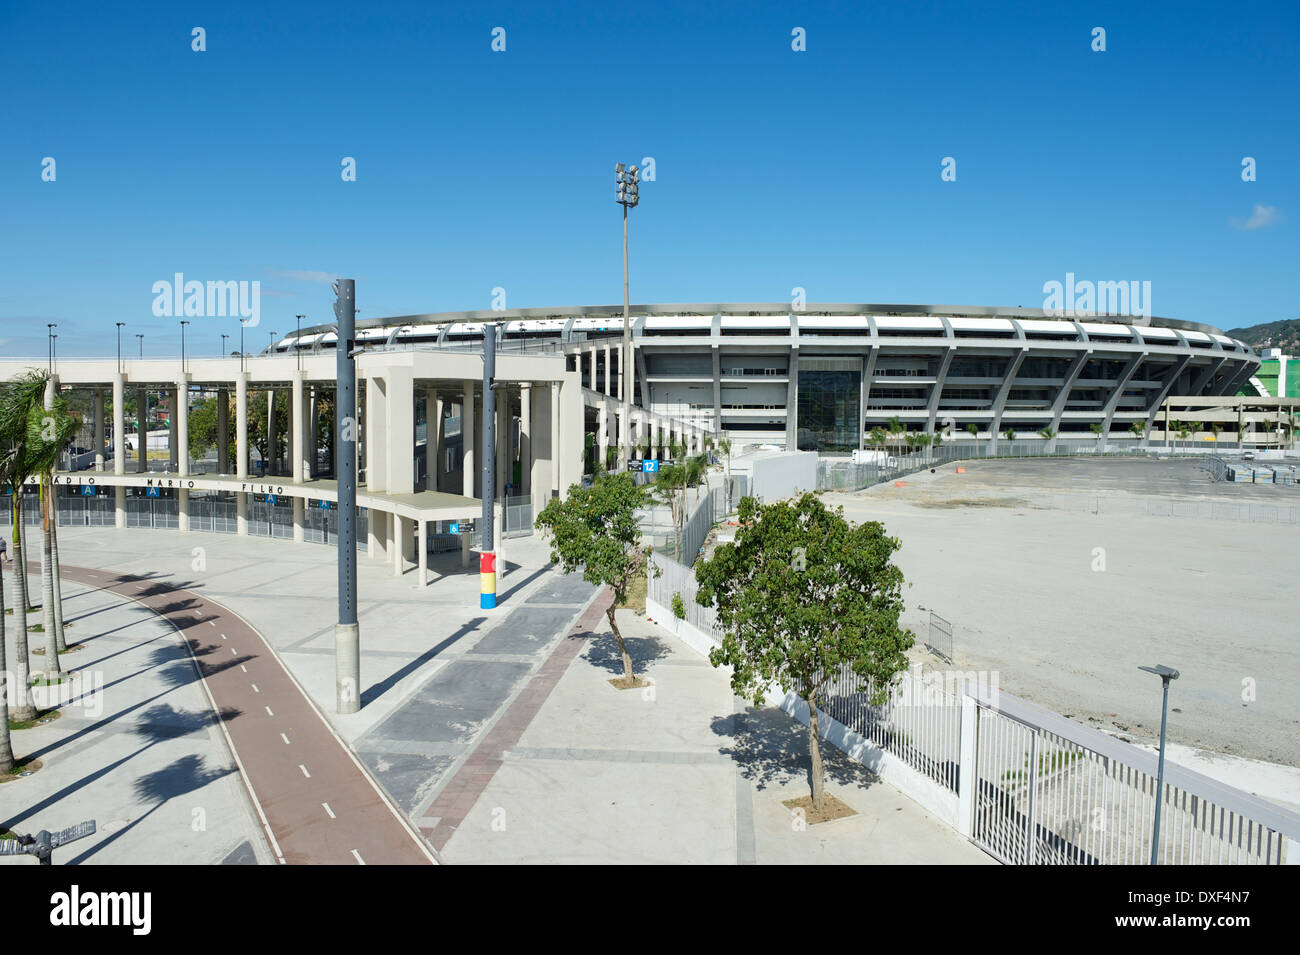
628	197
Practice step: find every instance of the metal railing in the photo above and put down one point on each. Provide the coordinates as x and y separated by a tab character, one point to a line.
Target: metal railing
939	636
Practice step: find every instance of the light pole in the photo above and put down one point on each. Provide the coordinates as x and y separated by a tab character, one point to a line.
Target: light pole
183	324
242	363
223	344
141	337
297	341
628	197
271	348
347	633
119	346
51	326
1166	674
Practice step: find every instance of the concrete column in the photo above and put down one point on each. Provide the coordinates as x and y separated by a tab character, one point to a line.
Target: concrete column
272	435
299	522
119	507
554	410
182	510
464	551
602	433
399	434
97	423
571	432
119	424
173	430
609	377
313	429
467	441
181	425
505	456
299	439
397	542
620	432
525	439
241	514
592	379
223	430
431	428
422	549
142	430
241	426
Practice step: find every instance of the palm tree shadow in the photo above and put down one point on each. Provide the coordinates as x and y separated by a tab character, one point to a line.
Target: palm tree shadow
769	747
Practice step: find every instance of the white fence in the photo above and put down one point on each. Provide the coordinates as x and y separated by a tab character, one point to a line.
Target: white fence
1027	785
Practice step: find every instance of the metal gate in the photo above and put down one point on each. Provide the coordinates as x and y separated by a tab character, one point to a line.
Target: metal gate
939	638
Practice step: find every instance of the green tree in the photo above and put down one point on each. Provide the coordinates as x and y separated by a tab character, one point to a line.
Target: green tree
595	529
724	448
670	487
1139	429
1009	434
49	432
801	595
973	429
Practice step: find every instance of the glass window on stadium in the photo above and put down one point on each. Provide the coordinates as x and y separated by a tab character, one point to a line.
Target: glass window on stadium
830	391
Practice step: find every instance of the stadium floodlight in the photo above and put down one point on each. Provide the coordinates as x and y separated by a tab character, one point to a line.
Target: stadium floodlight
1166	674
626	178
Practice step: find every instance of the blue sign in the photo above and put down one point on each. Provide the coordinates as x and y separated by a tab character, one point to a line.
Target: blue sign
87	490
153	492
324	505
455	528
270	499
650	466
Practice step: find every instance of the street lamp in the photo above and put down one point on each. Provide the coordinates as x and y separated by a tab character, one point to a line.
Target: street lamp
223	344
1166	674
183	324
242	363
628	197
141	337
119	346
271	349
51	326
297	342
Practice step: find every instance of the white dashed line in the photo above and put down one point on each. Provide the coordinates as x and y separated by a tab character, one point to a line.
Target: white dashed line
360	861
255	689
244	668
212	623
223	636
329	810
304	770
285	738
233	653
268	712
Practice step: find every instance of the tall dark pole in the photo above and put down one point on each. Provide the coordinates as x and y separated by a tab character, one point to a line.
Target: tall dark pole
297	342
1166	674
347	635
119	346
183	324
223	344
141	338
487	549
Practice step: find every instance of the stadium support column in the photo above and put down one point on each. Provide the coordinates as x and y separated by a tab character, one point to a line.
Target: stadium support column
299	439
173	446
432	430
141	430
466	457
241	451
525	440
223	430
592	380
792	403
347	635
181	428
602	436
272	435
97	418
119	447
487	556
609	374
554	410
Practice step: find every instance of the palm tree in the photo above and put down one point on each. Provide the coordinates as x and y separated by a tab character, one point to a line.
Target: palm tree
1216	429
50	429
17	397
896	430
1139	430
1097	429
879	438
1009	434
1194	427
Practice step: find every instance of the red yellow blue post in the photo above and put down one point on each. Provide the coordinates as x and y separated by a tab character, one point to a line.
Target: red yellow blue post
487	575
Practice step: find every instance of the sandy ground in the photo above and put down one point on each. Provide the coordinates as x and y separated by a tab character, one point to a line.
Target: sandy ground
1053	575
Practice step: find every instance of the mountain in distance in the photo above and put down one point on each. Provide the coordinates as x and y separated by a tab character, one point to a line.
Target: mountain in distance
1284	335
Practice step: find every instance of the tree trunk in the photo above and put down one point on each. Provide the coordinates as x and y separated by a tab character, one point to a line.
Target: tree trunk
58	581
21	707
814	746
6	744
47	586
622	647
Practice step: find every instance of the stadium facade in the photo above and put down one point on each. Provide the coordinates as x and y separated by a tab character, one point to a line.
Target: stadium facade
823	376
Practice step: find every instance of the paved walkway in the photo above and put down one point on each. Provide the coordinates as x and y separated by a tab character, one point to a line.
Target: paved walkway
315	802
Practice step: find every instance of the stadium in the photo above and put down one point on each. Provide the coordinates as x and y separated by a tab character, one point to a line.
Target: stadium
823	376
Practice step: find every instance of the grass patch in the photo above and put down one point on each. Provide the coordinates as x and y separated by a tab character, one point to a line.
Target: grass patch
636	590
10	610
31	724
832	808
623	683
70	648
26	764
42	679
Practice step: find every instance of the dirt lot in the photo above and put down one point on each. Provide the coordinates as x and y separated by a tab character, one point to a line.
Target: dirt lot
1055	574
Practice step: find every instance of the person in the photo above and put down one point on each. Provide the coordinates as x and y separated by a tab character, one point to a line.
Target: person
4	549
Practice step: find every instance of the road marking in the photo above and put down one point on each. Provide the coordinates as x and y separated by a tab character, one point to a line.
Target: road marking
233	653
212	623
329	810
223	636
304	770
268	712
244	668
255	689
360	861
285	738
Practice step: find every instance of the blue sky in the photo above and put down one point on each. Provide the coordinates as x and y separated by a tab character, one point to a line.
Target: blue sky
774	168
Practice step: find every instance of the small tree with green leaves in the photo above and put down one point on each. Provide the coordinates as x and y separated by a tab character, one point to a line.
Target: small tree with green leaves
973	429
801	595
1139	429
595	530
1009	434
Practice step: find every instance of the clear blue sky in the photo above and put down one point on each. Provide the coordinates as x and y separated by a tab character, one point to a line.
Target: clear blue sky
774	169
